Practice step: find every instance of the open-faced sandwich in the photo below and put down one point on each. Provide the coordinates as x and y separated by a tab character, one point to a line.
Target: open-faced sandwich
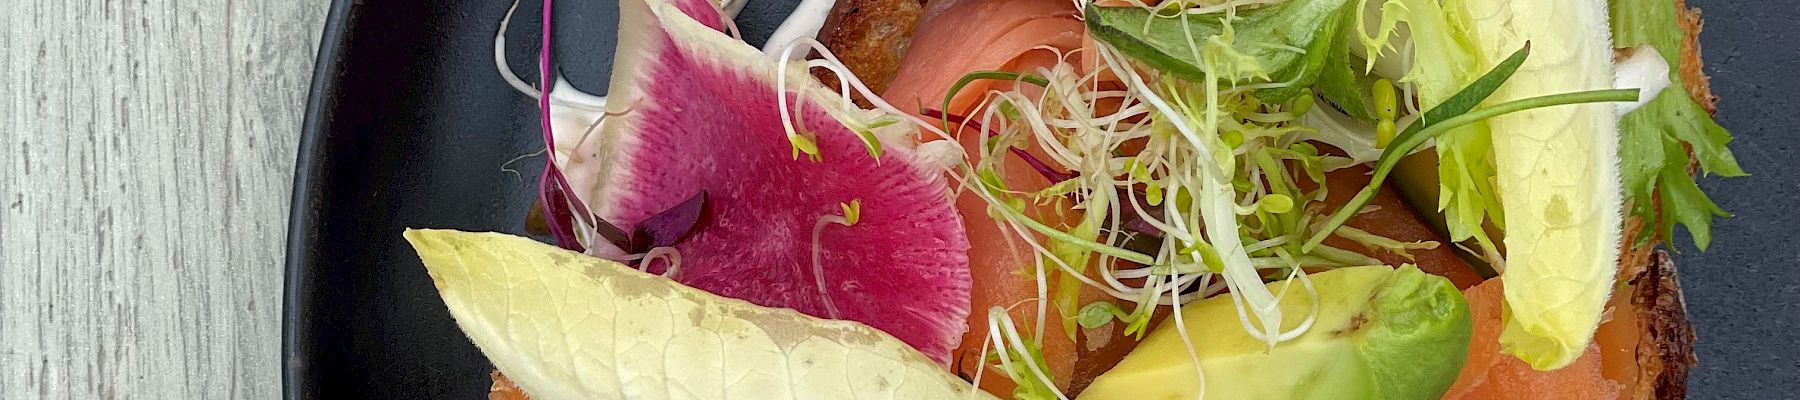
1055	199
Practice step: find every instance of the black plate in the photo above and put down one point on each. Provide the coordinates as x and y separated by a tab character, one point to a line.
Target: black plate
408	125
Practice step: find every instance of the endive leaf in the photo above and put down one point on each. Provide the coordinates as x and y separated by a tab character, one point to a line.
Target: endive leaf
564	325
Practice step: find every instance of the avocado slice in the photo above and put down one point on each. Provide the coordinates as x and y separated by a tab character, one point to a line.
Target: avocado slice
1380	333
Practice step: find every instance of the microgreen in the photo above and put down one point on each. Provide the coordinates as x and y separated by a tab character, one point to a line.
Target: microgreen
1042	168
1068	287
971	77
870	142
1383	243
852	211
803	144
1022	360
1084	243
1101	313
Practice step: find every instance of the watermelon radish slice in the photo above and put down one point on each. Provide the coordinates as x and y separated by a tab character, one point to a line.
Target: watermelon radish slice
695	111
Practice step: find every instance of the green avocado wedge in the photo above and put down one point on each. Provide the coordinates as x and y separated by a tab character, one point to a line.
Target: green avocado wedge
1379	333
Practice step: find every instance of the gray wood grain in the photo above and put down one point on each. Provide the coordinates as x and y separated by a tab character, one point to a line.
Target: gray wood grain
145	163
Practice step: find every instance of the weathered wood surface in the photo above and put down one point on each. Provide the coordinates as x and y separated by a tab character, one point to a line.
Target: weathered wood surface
146	154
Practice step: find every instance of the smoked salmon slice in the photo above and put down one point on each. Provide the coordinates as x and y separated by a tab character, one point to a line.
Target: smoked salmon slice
954	38
1388	215
1488	374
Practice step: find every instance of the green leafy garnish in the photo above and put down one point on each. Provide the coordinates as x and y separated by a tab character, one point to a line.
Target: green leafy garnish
1679	192
1338	79
1285	40
1459	110
1319	51
1446	58
1475	93
1456	104
1653	163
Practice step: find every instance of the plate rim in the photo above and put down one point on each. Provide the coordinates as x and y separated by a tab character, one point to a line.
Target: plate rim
309	165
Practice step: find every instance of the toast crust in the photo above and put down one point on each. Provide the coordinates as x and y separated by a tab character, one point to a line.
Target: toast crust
870	37
504	389
1666	351
1698	85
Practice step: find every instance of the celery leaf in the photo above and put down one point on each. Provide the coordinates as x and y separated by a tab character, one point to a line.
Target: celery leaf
1654	165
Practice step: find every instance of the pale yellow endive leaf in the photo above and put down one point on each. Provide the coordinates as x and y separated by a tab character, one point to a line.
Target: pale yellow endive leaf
1558	174
563	325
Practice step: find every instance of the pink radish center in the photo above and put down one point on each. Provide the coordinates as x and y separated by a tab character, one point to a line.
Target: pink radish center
903	268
